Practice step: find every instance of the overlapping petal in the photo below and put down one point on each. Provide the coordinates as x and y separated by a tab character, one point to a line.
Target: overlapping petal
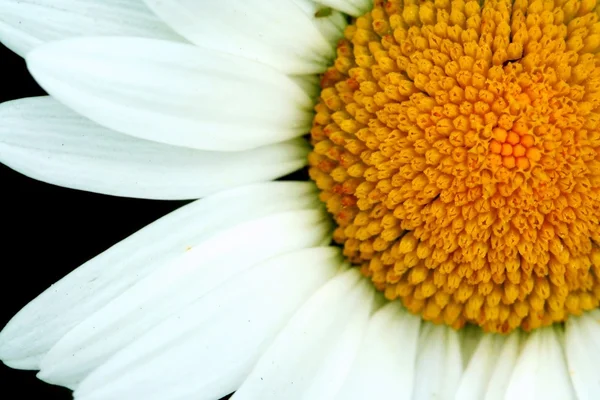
25	24
582	349
385	363
206	350
541	372
439	364
280	33
173	93
42	323
45	140
356	8
175	285
312	355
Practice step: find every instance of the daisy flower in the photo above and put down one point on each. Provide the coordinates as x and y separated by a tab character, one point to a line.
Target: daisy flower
454	154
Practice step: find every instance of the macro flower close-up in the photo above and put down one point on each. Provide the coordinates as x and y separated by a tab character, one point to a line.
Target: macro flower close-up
387	199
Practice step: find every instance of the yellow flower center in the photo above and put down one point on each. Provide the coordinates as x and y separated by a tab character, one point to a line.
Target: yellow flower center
457	146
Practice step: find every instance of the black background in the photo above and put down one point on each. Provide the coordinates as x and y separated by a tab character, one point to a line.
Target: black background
47	231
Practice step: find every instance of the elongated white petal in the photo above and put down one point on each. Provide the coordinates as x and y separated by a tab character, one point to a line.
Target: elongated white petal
206	350
385	365
311	356
356	8
541	371
39	325
173	93
176	285
25	24
277	33
504	366
470	336
439	363
43	139
330	22
308	83
474	381
582	348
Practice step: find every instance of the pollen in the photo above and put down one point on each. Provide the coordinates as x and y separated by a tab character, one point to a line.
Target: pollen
457	145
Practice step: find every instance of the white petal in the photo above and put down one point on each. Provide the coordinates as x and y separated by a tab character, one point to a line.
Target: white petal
439	363
206	350
356	8
309	84
174	286
474	381
173	93
39	325
505	364
470	336
330	22
541	370
25	24
582	347
311	356
277	33
385	365
43	139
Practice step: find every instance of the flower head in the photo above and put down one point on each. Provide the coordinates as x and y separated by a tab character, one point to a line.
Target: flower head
454	142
